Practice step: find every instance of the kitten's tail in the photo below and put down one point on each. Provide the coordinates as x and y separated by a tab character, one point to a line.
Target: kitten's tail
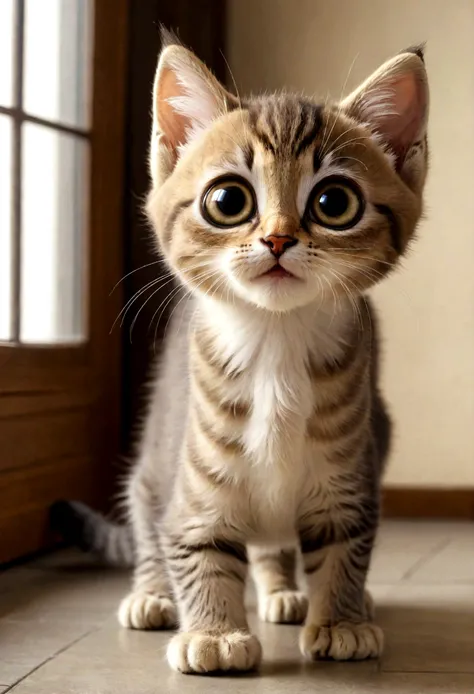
80	525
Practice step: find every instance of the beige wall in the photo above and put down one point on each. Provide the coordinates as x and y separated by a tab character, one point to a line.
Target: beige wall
428	309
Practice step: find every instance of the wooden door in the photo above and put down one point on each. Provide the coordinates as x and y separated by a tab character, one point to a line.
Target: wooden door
62	104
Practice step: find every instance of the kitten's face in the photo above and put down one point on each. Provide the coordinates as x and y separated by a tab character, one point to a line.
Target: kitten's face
284	202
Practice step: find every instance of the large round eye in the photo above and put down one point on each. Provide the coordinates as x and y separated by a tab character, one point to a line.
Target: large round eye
336	203
228	202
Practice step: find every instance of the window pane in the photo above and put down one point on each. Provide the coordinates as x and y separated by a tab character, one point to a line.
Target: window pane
5	225
58	49
54	198
6	52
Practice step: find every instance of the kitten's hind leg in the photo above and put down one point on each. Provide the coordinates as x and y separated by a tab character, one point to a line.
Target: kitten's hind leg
149	605
279	599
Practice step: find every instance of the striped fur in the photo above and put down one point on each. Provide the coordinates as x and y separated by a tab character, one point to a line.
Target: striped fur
266	430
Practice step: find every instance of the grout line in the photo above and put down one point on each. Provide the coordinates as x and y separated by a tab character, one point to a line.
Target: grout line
424	559
11	687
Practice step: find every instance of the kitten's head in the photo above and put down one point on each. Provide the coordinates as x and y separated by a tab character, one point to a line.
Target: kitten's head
279	200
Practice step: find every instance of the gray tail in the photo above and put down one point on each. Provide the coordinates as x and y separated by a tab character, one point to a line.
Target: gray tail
81	526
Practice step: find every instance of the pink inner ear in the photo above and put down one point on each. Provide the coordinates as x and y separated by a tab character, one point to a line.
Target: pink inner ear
171	123
409	103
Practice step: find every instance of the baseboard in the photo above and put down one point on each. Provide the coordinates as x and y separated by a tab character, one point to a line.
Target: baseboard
401	502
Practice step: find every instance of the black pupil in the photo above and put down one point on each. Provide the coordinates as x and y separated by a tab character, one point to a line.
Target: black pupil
230	200
334	202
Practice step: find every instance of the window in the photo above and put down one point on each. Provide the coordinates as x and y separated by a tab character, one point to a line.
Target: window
62	78
44	127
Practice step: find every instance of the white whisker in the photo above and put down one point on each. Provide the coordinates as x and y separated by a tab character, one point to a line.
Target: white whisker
142	267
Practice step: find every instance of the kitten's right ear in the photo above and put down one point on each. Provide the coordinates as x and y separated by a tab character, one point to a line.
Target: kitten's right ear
186	99
394	102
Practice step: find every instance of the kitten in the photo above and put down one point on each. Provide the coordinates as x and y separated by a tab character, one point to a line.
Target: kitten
266	429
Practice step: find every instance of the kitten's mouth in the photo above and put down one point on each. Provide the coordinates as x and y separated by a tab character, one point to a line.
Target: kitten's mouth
279	272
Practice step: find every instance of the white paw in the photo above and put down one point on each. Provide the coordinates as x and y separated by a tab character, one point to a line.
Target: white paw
343	641
283	607
201	652
146	611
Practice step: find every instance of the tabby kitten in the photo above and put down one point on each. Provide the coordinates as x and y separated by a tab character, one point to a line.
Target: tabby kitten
266	429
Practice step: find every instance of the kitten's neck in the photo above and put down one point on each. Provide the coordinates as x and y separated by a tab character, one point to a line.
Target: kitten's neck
241	331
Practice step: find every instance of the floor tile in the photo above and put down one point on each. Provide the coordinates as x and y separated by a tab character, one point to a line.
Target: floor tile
25	645
84	595
454	563
428	628
18	576
68	559
402	546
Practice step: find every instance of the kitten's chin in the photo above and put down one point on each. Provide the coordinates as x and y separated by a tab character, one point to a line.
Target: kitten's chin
275	294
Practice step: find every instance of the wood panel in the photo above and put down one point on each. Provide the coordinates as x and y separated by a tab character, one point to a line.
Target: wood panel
24	368
32	439
27	495
28	403
428	503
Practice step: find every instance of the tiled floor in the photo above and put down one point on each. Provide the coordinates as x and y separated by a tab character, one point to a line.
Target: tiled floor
58	633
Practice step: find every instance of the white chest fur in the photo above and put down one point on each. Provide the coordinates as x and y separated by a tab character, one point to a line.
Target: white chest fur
272	353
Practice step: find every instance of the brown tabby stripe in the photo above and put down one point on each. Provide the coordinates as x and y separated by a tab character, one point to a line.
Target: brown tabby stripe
300	140
393	226
350	448
286	127
311	135
173	216
273	122
317	160
325	432
200	467
266	142
211	392
347	386
343	365
249	155
315	565
223	445
183	552
330	534
205	349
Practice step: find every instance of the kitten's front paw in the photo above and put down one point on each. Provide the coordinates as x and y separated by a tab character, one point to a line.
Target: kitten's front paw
146	611
283	607
343	641
197	652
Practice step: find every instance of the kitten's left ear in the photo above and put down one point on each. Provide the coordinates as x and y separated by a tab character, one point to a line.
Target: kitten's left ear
186	99
394	102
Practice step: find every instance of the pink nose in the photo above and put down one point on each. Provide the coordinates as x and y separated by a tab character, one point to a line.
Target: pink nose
278	244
